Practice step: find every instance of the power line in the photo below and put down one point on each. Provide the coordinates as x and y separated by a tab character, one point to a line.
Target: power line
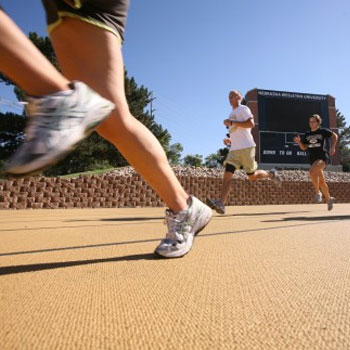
12	104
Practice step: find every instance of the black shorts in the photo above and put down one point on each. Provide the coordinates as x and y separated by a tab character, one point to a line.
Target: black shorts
108	14
325	158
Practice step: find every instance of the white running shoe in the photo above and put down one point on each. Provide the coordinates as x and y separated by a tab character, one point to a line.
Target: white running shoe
217	205
182	227
275	176
56	124
318	197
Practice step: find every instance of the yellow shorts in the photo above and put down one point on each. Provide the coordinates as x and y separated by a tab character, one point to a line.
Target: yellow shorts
107	14
243	158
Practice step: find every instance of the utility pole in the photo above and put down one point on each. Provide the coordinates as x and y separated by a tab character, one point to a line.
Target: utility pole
151	106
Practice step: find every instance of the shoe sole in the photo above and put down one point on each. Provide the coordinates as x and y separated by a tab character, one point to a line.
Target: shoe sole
214	207
61	155
197	230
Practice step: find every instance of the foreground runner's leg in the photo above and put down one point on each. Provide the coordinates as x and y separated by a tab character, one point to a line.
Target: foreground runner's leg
57	123
61	113
93	55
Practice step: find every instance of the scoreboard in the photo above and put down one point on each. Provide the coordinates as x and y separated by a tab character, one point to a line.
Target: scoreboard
281	116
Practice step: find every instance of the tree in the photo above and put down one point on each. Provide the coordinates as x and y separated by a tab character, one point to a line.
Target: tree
195	160
95	151
211	161
344	141
138	99
174	153
216	160
11	133
45	46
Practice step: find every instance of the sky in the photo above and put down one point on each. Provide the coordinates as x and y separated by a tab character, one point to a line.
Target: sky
191	53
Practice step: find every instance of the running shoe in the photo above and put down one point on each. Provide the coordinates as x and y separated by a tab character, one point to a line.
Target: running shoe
330	203
182	227
318	197
217	205
56	124
275	175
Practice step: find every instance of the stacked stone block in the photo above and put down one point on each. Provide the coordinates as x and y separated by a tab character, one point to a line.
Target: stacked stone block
116	191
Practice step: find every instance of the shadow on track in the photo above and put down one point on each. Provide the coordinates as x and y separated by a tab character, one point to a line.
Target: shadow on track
9	270
133	257
263	214
313	218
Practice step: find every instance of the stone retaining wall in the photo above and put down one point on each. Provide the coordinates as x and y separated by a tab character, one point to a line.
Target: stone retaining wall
114	190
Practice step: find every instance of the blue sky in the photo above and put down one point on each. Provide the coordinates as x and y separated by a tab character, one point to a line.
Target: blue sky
190	53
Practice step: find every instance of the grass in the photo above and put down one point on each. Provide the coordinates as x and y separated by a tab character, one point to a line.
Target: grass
92	172
69	176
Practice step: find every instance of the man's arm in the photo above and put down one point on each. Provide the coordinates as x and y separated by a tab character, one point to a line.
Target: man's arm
247	124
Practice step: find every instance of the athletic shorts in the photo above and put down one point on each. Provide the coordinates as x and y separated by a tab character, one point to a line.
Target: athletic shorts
325	158
108	14
243	158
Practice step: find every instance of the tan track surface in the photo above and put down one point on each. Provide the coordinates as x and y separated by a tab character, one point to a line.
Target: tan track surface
267	277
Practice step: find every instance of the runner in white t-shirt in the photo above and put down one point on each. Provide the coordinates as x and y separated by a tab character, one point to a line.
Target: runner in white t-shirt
240	137
242	150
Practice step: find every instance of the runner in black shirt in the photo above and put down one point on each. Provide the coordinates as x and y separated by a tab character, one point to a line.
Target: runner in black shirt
315	142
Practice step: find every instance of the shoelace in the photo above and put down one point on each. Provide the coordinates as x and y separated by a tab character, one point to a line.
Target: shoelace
175	224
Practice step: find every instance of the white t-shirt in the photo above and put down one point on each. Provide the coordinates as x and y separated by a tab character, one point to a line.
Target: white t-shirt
241	137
